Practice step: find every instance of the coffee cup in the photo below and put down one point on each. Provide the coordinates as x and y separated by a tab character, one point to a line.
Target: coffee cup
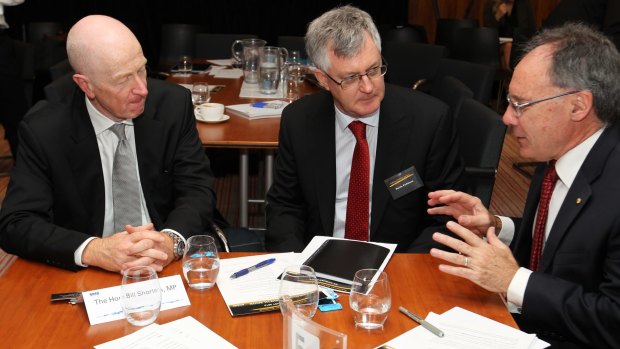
210	111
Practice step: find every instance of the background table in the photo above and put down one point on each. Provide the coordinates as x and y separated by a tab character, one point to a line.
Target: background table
239	132
29	320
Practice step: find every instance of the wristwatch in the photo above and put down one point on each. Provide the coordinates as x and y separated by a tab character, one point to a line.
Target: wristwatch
178	245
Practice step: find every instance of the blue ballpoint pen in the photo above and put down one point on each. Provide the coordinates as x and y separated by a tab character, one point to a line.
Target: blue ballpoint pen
252	268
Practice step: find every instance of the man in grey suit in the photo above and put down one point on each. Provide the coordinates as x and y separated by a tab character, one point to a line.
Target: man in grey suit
408	145
59	208
561	273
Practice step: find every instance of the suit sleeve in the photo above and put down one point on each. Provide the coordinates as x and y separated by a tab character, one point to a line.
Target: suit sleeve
286	211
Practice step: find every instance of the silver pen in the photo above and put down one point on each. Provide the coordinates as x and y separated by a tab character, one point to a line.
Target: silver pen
437	332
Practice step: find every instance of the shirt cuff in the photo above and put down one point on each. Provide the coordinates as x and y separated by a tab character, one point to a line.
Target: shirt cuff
175	233
77	255
516	289
508	230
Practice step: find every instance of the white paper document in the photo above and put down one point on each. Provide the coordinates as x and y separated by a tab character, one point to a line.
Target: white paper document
464	329
252	91
185	333
257	291
104	305
271	109
221	62
225	72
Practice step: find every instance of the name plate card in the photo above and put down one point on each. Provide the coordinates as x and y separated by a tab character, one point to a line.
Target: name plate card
104	305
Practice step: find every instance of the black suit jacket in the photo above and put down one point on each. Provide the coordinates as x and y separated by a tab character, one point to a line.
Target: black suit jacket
414	130
55	199
574	300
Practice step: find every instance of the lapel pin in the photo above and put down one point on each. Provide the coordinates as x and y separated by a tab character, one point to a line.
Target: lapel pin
578	201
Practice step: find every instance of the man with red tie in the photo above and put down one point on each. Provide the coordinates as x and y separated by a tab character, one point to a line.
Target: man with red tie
561	273
358	159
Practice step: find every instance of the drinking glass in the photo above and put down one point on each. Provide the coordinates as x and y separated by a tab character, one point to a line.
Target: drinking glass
185	65
370	299
200	93
140	295
294	79
298	283
201	263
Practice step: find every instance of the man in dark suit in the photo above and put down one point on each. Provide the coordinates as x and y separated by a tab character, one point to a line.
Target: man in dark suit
60	208
563	273
408	146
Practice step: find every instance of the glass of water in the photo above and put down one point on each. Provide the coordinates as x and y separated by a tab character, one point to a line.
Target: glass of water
299	284
185	65
141	295
200	93
370	299
201	263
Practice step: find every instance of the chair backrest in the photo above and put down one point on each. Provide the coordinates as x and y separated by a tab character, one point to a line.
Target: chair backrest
451	91
405	33
447	28
410	62
176	40
293	43
25	57
478	77
60	89
217	46
481	138
60	69
477	45
38	31
298	329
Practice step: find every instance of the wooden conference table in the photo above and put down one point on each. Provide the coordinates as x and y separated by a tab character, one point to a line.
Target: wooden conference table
238	132
29	320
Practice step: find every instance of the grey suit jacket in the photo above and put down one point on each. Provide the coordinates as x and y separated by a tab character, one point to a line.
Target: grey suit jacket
574	300
414	130
55	199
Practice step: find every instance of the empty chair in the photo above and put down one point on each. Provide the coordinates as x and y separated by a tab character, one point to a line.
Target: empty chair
176	40
478	77
25	55
451	91
37	31
61	89
411	63
478	45
59	69
293	43
481	138
217	46
447	29
405	33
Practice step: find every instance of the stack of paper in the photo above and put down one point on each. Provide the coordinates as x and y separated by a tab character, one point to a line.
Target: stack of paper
225	73
272	109
466	330
252	91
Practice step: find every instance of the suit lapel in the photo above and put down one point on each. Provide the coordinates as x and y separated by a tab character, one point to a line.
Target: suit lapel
393	136
321	125
579	193
85	163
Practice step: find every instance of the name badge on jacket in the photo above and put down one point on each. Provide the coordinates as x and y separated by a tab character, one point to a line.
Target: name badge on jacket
404	182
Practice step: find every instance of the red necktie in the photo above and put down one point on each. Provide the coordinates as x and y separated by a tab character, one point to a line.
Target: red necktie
546	190
356	225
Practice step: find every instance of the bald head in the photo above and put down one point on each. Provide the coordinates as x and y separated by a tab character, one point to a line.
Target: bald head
97	43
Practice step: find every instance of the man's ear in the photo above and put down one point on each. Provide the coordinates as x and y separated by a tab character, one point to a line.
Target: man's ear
582	105
84	84
321	78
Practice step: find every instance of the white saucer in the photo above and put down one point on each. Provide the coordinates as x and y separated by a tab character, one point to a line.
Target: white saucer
223	119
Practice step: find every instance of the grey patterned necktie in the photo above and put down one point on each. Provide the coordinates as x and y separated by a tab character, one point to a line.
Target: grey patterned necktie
124	183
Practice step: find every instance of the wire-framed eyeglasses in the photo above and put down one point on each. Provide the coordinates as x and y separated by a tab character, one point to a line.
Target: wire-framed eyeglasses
518	107
355	79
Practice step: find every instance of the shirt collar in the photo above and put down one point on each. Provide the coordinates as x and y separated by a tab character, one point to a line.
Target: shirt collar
343	120
565	166
101	122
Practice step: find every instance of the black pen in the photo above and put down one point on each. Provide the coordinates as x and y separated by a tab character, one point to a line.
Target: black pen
437	332
252	268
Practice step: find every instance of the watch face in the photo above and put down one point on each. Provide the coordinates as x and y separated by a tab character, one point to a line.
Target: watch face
180	248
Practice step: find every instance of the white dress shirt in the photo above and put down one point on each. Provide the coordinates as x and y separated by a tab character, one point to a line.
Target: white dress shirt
345	145
566	167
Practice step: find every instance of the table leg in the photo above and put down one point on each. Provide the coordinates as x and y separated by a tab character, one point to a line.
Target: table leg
243	187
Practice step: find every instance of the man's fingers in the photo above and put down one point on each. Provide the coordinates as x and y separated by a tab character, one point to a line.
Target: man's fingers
147	235
453	243
471	239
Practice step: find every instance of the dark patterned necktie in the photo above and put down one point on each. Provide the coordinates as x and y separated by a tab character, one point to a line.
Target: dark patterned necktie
356	224
124	183
546	190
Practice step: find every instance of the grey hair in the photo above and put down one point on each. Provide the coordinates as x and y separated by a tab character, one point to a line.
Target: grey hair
341	30
584	59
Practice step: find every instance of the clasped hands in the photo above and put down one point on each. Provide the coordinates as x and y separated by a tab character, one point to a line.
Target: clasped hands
488	263
133	247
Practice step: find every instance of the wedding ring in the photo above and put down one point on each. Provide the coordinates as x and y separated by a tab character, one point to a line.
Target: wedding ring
466	262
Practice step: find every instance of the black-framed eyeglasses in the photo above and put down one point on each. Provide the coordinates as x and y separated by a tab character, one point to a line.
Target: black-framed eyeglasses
518	107
352	80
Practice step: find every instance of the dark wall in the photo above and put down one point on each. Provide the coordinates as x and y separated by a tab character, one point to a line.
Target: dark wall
267	19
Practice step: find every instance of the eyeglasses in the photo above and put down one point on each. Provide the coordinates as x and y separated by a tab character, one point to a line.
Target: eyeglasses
352	80
518	107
